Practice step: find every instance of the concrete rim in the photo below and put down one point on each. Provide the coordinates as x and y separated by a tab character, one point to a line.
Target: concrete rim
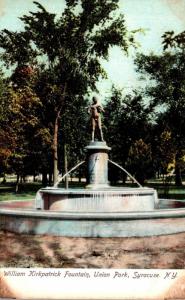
160	213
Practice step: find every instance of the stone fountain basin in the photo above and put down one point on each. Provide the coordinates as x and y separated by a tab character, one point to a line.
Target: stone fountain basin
108	199
22	217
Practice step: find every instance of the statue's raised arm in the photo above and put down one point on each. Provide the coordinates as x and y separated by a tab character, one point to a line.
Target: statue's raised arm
95	110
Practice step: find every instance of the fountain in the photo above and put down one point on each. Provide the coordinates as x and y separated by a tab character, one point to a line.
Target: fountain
98	196
98	210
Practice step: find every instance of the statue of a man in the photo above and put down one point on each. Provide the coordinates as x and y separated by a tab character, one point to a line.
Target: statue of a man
95	109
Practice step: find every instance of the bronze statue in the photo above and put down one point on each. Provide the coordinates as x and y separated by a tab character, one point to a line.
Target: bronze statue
95	109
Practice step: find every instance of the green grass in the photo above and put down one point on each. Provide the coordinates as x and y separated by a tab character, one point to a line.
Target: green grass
13	196
26	191
169	191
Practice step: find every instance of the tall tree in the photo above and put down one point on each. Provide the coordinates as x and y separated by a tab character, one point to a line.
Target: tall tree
75	133
167	88
23	120
127	120
139	160
72	47
7	138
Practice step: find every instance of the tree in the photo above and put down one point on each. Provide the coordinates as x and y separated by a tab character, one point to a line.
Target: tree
7	138
24	123
167	90
127	120
139	160
172	40
164	153
75	133
71	47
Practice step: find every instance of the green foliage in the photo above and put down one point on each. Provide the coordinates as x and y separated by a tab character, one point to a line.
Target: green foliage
172	40
167	90
167	72
23	119
127	119
6	135
71	45
165	151
139	160
59	60
17	46
74	130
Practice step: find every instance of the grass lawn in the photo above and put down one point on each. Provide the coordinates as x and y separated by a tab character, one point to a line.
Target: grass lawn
13	196
169	191
26	191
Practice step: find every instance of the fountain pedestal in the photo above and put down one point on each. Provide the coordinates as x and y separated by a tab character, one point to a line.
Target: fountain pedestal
97	165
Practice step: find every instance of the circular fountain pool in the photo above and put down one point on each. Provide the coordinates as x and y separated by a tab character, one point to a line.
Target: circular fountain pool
23	217
97	211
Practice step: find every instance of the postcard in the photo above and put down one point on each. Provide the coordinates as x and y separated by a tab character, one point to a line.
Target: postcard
92	149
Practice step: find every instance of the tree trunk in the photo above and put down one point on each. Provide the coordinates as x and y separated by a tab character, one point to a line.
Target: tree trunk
79	177
55	151
50	178
66	166
124	177
4	178
34	176
17	184
44	178
178	178
55	139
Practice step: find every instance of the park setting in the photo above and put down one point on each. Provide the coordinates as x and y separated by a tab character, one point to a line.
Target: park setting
92	134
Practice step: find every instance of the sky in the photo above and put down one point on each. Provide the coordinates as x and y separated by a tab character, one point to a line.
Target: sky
155	16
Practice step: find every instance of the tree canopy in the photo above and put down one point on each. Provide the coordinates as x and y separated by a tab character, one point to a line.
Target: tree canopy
167	89
60	56
55	62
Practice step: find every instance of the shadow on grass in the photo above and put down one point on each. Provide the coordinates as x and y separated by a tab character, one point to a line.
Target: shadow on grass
22	251
172	196
61	260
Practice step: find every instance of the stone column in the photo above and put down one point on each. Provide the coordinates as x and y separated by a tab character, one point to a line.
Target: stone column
97	165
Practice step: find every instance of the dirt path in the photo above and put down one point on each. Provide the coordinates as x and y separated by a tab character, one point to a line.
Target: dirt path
63	252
